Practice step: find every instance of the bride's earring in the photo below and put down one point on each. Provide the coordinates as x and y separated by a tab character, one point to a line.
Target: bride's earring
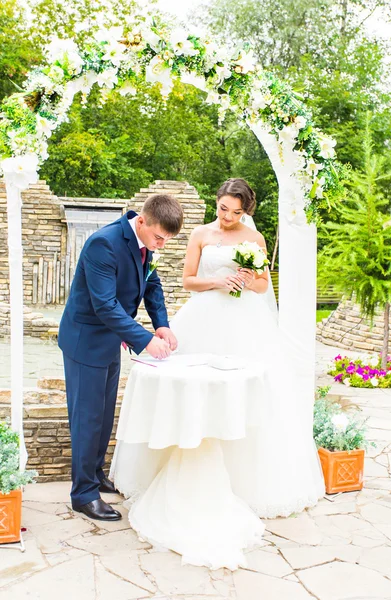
243	219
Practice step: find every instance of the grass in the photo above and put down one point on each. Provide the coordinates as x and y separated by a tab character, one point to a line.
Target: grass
321	314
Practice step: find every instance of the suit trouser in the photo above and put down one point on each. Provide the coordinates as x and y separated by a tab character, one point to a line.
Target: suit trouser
91	397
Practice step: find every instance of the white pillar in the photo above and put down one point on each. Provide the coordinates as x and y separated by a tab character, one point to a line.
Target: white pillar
297	265
19	172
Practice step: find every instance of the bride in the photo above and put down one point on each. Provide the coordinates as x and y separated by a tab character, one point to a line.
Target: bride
275	469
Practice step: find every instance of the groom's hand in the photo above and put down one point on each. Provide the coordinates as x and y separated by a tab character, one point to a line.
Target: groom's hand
158	348
165	333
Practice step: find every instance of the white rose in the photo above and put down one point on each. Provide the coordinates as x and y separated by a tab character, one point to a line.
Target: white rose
340	422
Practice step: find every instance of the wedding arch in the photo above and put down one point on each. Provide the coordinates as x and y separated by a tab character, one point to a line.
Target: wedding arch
119	58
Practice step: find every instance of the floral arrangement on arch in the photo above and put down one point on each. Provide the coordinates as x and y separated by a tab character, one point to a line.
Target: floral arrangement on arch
364	372
147	49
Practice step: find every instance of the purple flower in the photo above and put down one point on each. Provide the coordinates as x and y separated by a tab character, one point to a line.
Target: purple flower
366	377
339	357
338	377
351	369
360	371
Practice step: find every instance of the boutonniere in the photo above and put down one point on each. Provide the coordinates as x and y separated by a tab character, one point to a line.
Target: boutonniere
153	264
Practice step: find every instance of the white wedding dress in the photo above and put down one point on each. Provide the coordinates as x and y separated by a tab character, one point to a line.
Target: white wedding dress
274	470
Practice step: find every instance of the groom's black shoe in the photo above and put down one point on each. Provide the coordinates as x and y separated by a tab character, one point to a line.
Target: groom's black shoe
107	486
100	510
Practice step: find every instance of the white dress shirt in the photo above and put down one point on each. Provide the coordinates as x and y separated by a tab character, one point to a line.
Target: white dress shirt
132	223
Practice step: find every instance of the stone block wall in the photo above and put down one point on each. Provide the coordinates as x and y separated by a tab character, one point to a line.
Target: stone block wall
46	428
41	234
46	251
34	323
347	328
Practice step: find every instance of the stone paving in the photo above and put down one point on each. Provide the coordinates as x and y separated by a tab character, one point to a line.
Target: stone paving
339	550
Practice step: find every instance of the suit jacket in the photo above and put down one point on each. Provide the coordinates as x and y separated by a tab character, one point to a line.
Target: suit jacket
108	286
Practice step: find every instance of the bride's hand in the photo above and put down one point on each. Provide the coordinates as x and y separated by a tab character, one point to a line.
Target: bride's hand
247	275
233	283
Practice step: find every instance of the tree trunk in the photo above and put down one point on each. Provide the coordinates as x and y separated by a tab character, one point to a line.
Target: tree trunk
386	335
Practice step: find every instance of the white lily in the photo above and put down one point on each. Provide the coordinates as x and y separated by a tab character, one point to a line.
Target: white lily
65	52
327	147
151	38
246	61
181	44
258	101
212	98
110	35
107	78
114	52
222	73
127	89
45	126
319	189
312	167
21	171
288	135
158	72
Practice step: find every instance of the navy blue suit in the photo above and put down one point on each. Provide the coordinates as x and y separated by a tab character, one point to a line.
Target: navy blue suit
109	284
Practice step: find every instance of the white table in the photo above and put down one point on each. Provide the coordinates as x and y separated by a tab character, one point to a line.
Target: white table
172	420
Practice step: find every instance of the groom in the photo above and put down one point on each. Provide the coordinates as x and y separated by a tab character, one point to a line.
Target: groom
111	279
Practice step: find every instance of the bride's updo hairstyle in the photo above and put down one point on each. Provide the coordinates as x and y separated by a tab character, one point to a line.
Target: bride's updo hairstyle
239	188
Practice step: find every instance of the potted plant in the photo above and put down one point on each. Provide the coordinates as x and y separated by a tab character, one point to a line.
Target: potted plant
11	482
340	437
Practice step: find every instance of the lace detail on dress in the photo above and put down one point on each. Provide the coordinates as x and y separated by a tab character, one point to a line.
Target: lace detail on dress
268	511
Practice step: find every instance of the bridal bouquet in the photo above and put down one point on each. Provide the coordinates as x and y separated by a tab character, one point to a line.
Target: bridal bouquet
249	256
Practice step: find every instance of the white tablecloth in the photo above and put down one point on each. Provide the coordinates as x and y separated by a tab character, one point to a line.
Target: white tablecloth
178	405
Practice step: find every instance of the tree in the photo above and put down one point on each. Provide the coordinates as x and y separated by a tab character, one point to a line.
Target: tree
18	52
282	34
357	258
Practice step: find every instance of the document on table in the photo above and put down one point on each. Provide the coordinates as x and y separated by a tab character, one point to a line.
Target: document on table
175	360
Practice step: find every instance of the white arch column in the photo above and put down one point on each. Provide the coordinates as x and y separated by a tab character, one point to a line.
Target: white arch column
297	266
19	173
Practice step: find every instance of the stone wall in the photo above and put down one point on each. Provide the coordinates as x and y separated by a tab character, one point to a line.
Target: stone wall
46	428
47	264
346	328
34	323
41	234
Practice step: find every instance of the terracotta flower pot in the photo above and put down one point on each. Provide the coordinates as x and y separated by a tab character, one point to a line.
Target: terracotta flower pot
342	471
10	516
